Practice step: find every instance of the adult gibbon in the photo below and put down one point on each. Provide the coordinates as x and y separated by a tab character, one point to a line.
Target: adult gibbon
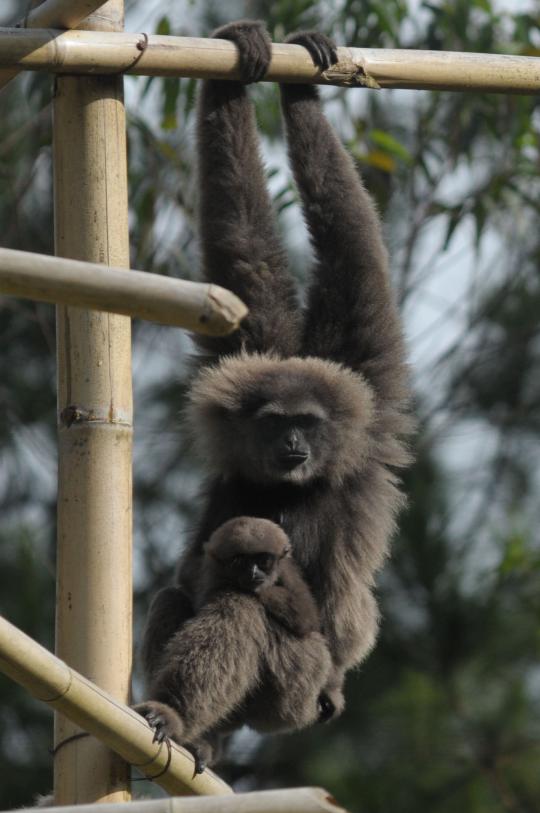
301	414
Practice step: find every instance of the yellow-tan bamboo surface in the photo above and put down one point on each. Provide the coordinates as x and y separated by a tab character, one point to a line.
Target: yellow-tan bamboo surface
293	800
53	14
194	306
95	420
50	680
155	55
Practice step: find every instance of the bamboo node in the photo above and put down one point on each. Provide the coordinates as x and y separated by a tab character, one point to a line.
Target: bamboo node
350	73
74	414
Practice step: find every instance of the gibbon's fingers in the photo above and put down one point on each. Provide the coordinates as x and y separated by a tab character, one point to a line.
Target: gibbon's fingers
253	45
320	47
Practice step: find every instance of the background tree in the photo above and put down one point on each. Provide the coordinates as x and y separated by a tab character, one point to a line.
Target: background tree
445	714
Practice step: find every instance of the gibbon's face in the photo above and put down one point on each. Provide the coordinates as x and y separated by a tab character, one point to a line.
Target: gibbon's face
272	420
245	553
283	441
250	572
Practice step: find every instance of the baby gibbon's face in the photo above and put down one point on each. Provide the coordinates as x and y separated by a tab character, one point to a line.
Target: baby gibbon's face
245	552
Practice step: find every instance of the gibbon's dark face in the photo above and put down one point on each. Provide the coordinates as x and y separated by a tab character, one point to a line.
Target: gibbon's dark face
273	420
250	572
245	553
288	440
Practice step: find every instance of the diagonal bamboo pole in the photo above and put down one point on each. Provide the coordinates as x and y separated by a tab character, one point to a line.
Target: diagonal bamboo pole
94	590
52	681
155	55
195	306
53	14
291	800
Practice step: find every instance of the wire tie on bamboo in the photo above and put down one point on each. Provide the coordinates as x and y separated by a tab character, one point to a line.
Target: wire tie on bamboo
164	770
141	46
53	751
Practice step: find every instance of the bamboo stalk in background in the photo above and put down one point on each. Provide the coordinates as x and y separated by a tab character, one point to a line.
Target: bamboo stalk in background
53	14
50	680
291	800
194	306
155	55
94	584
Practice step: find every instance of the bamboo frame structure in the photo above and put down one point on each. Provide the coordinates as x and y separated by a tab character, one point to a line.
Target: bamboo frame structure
52	681
194	306
95	425
85	52
53	14
94	386
293	800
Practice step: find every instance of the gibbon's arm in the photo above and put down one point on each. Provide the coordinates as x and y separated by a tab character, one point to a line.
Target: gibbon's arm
211	663
169	610
240	246
351	316
290	602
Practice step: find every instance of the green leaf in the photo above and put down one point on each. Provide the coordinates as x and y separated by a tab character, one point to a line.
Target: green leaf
390	144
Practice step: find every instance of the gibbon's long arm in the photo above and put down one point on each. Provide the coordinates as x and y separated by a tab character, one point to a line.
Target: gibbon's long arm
240	246
351	316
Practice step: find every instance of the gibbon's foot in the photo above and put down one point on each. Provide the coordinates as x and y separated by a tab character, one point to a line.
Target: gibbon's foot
320	47
327	708
162	719
201	753
254	47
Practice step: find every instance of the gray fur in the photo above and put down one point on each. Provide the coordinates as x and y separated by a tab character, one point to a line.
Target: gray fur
338	365
252	654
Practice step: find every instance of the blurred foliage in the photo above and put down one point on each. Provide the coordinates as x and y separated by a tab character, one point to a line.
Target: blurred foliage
445	714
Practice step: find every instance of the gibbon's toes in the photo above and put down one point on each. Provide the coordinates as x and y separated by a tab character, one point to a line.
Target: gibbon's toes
320	47
200	757
159	724
254	47
162	720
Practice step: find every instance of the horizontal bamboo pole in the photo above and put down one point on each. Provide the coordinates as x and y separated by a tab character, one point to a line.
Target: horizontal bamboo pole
60	13
194	306
293	800
155	55
51	680
53	14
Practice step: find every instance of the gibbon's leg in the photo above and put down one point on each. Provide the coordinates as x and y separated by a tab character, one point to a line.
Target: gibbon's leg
240	246
209	666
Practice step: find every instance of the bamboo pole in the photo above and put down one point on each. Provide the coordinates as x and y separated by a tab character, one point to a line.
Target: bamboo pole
53	14
194	306
94	586
52	681
155	55
292	800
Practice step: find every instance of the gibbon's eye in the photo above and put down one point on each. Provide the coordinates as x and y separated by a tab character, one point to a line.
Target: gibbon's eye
306	421
272	422
264	561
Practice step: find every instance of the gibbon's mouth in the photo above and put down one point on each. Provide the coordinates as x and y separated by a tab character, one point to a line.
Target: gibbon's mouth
293	460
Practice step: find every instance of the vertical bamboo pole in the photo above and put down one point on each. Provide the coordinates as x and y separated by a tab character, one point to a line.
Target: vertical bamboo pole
94	592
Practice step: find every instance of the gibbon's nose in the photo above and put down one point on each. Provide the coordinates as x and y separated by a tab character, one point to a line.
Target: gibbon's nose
257	575
293	444
292	441
293	448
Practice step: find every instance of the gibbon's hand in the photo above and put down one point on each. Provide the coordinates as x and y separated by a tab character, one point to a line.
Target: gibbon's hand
164	721
320	47
254	47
